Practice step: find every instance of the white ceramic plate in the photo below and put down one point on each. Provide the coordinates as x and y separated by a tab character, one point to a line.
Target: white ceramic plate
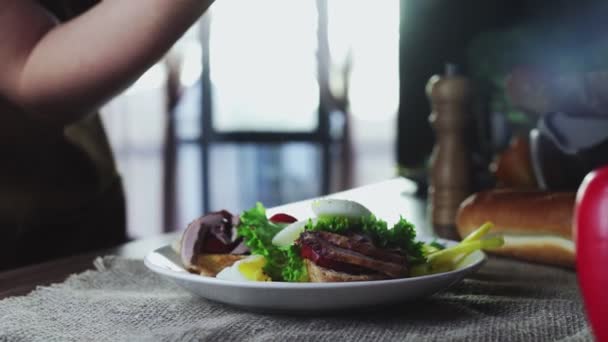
303	297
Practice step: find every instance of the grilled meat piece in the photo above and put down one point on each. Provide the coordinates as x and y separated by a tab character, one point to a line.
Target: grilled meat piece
330	250
362	244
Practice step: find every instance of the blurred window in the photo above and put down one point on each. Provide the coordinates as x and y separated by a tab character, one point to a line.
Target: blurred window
366	35
263	65
263	61
263	69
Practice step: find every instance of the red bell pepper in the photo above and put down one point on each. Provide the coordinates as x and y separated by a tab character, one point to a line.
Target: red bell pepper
591	237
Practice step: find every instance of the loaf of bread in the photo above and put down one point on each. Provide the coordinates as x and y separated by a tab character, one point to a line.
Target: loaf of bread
537	226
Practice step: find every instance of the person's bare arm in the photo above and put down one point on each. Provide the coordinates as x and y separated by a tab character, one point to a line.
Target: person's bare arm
59	72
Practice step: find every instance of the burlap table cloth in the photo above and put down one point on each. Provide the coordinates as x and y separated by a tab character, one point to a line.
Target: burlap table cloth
122	301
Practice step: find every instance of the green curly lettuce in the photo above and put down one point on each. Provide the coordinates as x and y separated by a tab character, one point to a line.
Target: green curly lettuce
402	236
282	263
294	269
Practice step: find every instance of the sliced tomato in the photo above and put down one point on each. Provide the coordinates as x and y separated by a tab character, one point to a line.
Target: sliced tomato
282	218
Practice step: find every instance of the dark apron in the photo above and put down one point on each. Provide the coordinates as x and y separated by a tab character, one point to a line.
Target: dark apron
60	193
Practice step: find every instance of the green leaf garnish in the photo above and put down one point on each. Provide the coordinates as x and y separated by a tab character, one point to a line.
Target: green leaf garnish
282	264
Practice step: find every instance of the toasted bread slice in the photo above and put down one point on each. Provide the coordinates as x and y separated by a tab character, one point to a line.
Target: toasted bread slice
211	264
320	274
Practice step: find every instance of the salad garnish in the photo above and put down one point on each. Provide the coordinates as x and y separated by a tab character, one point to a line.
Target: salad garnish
284	260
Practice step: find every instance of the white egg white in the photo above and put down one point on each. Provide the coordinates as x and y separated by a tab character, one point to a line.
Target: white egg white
338	207
288	235
232	273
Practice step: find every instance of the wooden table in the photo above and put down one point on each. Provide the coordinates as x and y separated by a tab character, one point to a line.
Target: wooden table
381	198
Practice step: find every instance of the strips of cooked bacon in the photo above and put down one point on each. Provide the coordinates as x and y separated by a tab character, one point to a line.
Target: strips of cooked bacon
336	251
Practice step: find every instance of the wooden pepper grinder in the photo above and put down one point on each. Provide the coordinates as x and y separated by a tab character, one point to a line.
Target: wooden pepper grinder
450	164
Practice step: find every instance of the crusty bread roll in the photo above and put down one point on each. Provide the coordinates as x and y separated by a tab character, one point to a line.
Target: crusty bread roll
537	226
318	274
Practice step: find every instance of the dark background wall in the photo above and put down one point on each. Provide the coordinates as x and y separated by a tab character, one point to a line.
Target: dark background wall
434	32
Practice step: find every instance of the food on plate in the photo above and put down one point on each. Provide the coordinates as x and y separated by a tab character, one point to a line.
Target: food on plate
211	264
282	218
288	235
211	243
338	249
536	226
282	263
447	259
250	268
337	207
343	242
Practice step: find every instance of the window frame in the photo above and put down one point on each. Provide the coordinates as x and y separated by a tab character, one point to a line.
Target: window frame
320	136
